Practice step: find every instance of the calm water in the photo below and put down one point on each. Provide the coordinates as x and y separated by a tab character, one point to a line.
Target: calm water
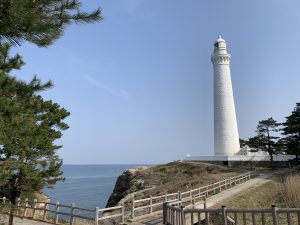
87	186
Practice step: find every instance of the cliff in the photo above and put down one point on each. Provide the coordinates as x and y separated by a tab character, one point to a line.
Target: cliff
166	178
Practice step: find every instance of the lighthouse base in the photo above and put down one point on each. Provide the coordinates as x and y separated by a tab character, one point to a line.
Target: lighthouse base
244	160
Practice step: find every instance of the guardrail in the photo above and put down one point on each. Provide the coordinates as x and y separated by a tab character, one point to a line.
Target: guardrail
153	204
173	215
39	210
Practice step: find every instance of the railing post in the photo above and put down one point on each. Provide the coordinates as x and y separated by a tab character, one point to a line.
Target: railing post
72	214
123	214
166	197
193	202
165	205
179	198
182	216
45	209
205	203
96	215
25	207
150	204
274	215
132	207
224	216
56	212
34	208
18	205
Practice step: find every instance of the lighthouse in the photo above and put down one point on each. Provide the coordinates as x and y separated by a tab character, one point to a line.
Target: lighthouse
226	137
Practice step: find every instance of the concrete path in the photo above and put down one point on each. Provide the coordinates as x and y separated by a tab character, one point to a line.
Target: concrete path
19	221
212	200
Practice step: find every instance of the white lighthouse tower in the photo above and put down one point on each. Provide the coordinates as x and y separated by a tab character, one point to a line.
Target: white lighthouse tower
226	137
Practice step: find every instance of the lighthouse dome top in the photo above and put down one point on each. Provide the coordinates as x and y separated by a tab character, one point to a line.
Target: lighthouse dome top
220	45
220	39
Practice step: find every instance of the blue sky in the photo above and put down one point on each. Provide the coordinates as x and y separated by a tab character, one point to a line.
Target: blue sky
139	84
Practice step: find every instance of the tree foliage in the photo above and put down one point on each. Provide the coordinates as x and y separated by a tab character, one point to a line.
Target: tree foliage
40	21
291	129
29	126
264	139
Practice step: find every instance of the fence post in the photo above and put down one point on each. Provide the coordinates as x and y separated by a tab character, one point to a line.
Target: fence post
25	207
123	214
274	214
182	215
224	215
193	202
96	215
56	213
45	209
166	197
34	208
132	207
179	198
150	204
165	205
18	204
72	214
205	203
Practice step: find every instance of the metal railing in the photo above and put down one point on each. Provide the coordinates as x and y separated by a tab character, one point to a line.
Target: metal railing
153	204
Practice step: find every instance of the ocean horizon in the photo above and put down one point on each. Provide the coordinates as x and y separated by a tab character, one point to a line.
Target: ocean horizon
87	185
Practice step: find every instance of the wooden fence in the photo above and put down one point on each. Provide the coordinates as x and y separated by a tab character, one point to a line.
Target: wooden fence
39	210
139	207
174	215
153	204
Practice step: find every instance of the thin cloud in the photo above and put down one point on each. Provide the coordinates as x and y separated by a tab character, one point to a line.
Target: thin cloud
114	91
134	5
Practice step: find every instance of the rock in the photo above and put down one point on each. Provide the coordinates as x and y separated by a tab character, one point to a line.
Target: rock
125	185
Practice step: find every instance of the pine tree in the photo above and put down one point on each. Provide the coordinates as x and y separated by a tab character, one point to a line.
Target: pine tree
40	21
291	128
264	139
29	125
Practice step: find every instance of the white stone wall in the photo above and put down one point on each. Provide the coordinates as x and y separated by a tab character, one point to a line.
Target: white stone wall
226	137
276	158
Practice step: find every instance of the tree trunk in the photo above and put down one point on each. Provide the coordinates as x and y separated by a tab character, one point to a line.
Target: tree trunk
12	199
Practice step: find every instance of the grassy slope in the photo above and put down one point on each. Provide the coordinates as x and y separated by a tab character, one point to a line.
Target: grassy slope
176	176
263	196
274	192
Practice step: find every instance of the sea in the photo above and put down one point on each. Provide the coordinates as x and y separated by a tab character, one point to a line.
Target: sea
88	186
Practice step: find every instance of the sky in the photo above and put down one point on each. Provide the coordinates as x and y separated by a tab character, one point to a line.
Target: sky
139	84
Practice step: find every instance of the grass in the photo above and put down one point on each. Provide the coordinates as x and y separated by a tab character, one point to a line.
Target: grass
183	176
284	192
291	191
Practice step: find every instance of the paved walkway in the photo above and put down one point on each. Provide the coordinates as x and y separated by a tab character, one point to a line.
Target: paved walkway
19	221
212	200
